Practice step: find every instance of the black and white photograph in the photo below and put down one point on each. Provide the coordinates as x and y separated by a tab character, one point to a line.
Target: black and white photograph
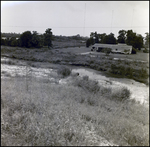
74	73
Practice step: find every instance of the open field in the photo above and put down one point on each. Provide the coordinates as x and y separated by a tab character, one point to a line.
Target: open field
63	108
135	69
36	111
78	50
58	44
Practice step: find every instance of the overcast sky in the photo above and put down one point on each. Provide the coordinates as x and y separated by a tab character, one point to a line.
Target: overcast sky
75	17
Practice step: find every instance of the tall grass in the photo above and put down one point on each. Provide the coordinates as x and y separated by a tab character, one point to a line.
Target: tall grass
64	71
121	94
123	68
54	115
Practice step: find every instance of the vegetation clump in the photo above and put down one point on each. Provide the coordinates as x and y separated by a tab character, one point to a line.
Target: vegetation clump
71	114
87	84
121	94
64	71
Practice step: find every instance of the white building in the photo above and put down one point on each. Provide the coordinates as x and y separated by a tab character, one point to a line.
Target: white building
115	48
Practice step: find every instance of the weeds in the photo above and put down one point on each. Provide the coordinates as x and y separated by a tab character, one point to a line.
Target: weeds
121	94
64	71
123	68
53	115
9	62
87	84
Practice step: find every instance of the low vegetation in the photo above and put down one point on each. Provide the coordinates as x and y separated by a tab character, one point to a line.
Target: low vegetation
45	112
130	69
64	71
82	112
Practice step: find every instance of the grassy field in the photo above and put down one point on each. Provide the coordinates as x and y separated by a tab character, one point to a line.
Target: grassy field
77	50
134	69
81	112
35	111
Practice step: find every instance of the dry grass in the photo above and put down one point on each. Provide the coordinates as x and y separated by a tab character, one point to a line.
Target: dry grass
51	114
64	71
130	69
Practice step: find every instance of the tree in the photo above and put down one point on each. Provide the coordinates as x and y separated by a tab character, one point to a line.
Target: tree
13	41
122	36
110	39
133	39
2	40
36	40
147	40
130	37
94	37
48	38
138	42
7	41
89	42
25	39
101	37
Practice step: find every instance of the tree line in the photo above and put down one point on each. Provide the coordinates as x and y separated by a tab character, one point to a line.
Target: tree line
29	39
33	39
129	37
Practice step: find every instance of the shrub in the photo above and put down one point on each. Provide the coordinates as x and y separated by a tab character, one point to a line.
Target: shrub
10	62
143	73
133	50
145	50
129	72
87	84
107	51
106	91
64	71
121	94
113	69
85	78
121	70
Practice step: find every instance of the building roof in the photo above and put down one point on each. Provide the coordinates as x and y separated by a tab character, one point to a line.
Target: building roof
111	45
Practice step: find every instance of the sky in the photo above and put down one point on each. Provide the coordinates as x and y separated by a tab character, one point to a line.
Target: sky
68	18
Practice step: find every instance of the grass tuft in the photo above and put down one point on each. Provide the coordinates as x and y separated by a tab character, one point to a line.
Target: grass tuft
121	94
87	84
64	71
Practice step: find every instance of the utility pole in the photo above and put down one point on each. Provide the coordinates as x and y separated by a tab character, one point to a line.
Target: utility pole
84	19
132	19
111	20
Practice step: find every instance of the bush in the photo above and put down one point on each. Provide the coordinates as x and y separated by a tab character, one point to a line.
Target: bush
121	94
143	73
129	72
146	50
85	78
87	84
64	71
121	70
107	51
133	50
114	69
